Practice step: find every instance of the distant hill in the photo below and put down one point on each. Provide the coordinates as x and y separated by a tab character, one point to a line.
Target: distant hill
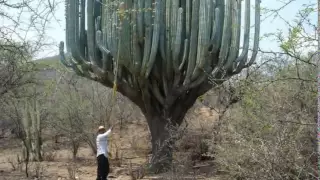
48	67
49	62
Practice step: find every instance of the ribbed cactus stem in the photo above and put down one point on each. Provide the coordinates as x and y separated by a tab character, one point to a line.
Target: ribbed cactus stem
235	34
177	42
203	37
242	59
136	38
31	124
256	33
226	36
90	32
99	39
193	42
168	39
155	37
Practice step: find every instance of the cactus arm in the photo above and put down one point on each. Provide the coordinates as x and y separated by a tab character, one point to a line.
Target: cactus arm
185	54
68	25
156	92
148	37
125	34
64	61
177	48
256	33
163	49
162	39
162	43
114	34
83	39
155	37
90	32
140	22
235	39
73	38
104	38
218	23
102	48
242	59
177	42
188	18
226	35
99	38
62	55
173	27
72	32
193	42
108	27
168	59
136	50
203	37
163	54
216	31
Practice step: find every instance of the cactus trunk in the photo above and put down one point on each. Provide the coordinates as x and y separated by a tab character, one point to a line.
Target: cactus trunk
160	52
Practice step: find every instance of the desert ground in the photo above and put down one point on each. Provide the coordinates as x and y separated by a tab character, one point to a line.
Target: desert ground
128	153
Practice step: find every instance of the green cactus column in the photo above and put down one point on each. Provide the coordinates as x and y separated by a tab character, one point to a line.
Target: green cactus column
165	53
31	123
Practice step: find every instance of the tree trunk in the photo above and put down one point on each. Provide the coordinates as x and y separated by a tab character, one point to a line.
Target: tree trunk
162	140
163	122
164	109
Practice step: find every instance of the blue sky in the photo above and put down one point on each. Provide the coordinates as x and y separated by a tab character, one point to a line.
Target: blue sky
57	33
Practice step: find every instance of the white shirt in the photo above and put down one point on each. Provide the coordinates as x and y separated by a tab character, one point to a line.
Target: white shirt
102	143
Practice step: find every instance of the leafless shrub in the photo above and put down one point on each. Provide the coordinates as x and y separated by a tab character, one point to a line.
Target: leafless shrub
73	171
137	173
117	153
49	156
16	164
38	171
195	144
270	133
138	144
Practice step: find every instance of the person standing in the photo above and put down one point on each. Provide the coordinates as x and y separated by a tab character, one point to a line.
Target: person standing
102	153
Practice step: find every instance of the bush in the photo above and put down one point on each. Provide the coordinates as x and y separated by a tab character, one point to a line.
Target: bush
270	134
195	143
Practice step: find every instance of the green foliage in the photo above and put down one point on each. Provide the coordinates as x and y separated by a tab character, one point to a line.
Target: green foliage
288	45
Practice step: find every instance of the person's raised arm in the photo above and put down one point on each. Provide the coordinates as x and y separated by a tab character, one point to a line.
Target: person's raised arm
106	133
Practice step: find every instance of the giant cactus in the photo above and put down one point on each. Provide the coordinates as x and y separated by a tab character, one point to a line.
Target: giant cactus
161	52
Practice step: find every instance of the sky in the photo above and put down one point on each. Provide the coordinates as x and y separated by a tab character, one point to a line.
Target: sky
56	30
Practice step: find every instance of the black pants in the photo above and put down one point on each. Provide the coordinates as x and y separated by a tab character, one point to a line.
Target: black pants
103	167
